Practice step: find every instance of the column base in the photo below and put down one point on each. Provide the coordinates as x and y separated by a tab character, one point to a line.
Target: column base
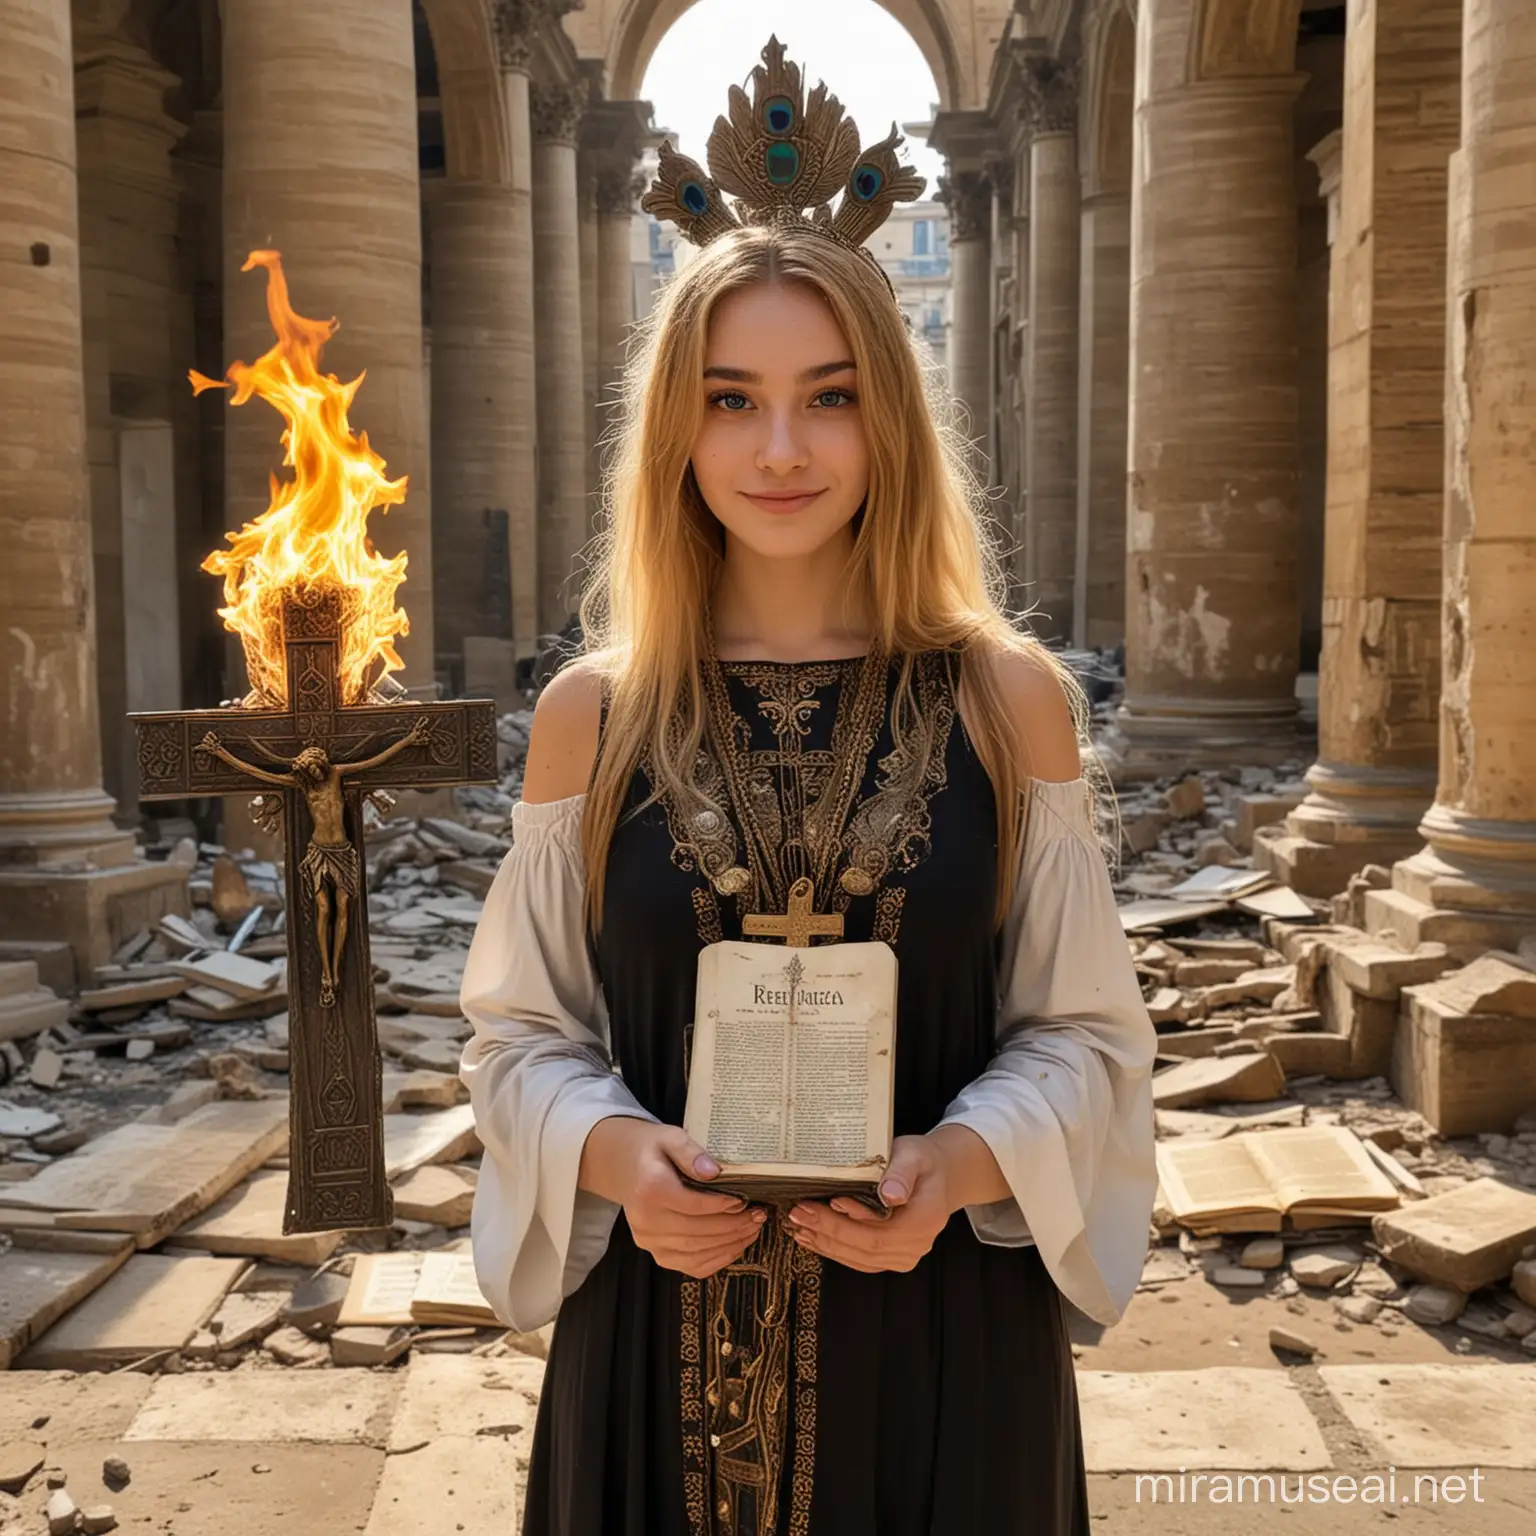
92	910
1353	817
1150	740
1472	889
66	830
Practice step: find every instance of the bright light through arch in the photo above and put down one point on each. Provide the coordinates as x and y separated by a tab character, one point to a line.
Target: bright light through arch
868	59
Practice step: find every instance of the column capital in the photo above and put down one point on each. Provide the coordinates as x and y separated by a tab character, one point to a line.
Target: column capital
1050	96
555	111
968	196
517	22
618	188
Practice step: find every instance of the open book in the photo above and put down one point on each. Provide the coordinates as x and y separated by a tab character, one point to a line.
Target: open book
388	1289
790	1075
1315	1175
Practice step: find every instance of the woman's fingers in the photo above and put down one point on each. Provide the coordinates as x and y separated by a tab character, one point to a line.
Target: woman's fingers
672	1224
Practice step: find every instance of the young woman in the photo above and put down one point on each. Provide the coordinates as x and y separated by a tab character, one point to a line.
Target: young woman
798	666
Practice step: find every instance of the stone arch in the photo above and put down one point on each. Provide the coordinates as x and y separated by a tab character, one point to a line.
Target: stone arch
1236	39
1109	99
469	82
639	26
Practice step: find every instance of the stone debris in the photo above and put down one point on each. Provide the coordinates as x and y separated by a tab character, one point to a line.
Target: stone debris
62	1513
19	1460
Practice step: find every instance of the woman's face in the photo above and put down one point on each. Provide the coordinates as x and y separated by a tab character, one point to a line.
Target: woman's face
781	457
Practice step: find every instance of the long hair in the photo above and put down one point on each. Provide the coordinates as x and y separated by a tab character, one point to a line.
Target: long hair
922	553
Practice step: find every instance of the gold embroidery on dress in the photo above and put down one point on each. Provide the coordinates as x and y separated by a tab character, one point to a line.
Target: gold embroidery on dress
739	1388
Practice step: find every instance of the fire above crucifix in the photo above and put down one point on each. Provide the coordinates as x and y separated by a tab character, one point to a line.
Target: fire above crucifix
313	604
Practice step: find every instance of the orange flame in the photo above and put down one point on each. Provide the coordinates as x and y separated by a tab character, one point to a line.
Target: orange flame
315	531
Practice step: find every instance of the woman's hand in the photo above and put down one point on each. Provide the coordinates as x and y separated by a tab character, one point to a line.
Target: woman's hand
917	1188
637	1163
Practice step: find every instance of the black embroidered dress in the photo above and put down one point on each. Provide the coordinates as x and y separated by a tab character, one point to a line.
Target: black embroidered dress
939	1402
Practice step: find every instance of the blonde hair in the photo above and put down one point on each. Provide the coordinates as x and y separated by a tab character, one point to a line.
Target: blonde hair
922	549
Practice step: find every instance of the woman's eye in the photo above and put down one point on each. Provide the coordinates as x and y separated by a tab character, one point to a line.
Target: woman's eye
834	397
729	399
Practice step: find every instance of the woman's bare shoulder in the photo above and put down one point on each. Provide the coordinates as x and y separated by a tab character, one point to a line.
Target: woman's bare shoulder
1030	687
562	745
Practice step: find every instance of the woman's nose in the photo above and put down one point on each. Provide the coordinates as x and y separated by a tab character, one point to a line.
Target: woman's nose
783	448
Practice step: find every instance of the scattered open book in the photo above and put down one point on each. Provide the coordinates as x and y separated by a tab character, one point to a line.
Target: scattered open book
790	1076
1313	1175
403	1287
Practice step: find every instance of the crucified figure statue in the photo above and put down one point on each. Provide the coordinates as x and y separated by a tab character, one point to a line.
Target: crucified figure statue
331	864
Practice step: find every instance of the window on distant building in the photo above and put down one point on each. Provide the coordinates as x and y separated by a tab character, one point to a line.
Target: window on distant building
922	233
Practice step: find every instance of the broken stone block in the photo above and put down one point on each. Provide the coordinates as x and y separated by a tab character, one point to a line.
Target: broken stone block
365	1346
1217	851
1234	1275
1494	983
1260	986
1140	833
1465	1238
1484	1321
1263	1253
1209	972
115	1473
1251	1078
1522	1280
1186	799
437	1194
232	899
61	1513
18	1462
1167	1006
1463	1072
314	1306
47	1069
290	1347
97	1518
1292	1342
1433	1305
1358	1309
1379	971
1325	1268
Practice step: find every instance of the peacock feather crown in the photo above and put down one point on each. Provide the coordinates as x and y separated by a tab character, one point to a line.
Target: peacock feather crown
780	154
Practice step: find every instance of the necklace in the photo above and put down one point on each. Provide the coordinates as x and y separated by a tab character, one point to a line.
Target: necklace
801	867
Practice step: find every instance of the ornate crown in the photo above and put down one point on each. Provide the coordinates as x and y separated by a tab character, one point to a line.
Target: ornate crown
779	155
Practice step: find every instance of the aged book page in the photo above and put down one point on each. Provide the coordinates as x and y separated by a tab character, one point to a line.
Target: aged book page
791	1068
1218	1182
1323	1166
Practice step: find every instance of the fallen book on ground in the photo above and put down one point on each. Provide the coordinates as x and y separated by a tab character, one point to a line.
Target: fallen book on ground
1311	1176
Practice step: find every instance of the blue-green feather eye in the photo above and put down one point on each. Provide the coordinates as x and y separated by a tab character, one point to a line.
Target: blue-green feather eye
694	198
778	114
782	163
867	181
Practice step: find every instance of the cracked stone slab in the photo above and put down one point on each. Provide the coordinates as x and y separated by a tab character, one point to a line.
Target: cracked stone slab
1222	1418
1442	1414
269	1407
464	1396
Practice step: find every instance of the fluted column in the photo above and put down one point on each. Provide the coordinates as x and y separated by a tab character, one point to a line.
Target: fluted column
969	200
320	162
1051	348
1476	882
1380	670
617	188
1213	624
562	527
51	801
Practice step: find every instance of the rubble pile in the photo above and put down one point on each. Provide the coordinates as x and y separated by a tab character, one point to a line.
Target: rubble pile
1277	1012
143	1124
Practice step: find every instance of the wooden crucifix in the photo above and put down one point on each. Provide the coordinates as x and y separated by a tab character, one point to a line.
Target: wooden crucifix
323	757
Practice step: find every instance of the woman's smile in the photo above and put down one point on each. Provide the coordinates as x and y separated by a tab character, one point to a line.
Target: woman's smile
779	502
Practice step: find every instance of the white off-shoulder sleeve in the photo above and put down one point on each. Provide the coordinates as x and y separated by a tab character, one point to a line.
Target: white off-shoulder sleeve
539	1071
1065	1105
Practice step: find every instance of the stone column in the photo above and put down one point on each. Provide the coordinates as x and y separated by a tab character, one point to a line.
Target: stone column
586	213
1212	623
1380	671
969	200
66	873
340	78
1051	350
474	416
617	188
512	35
562	526
1475	885
138	345
1103	390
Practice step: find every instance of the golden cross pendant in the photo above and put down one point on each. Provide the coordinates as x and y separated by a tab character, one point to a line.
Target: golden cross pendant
797	925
